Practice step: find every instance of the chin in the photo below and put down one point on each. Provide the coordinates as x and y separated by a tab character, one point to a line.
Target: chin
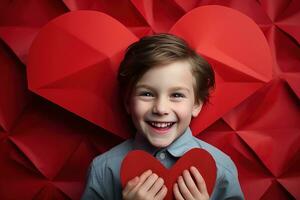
160	144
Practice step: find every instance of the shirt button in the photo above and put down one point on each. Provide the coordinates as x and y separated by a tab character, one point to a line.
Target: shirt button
162	156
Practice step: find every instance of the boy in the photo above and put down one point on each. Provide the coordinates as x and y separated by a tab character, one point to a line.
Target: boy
164	84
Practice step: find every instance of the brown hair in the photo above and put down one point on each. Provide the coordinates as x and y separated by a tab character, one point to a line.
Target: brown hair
161	49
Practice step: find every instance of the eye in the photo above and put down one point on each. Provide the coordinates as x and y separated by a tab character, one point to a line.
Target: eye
178	95
146	94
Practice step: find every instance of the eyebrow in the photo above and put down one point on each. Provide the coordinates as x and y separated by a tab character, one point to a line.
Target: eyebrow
172	89
180	88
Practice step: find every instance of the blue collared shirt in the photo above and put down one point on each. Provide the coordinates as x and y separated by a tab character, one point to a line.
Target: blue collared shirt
103	180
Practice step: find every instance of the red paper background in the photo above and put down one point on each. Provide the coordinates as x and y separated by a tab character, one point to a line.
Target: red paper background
45	150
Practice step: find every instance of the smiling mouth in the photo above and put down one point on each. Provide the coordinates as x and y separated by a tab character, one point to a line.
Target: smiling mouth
161	125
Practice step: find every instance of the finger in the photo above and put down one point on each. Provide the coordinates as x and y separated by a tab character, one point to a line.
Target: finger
177	193
145	175
141	181
192	187
149	182
130	185
162	193
183	189
199	180
156	186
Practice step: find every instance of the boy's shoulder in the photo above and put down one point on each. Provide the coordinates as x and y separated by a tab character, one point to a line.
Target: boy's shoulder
114	155
221	158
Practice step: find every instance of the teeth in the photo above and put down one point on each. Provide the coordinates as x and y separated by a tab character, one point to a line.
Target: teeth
161	124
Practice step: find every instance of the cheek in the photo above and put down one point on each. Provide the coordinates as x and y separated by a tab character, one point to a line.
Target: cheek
138	108
184	112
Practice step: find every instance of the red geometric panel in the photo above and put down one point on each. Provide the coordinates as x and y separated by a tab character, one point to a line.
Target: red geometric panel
21	20
13	88
34	127
293	79
255	179
289	19
15	177
287	52
272	131
125	12
168	12
272	107
49	151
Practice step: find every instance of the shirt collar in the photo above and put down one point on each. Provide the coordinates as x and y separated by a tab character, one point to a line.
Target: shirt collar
180	146
141	143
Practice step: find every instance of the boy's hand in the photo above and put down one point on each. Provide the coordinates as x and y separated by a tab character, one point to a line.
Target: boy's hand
147	186
188	189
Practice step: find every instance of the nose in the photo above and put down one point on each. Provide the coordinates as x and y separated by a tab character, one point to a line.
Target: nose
161	107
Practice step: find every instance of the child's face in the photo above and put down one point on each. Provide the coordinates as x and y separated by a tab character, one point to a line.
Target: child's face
163	102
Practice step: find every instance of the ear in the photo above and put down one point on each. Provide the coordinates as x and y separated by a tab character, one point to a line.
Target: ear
196	109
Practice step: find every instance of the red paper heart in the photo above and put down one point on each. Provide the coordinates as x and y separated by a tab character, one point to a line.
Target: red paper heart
73	62
136	162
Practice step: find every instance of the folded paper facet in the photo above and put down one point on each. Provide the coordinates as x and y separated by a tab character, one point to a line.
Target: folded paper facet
48	153
20	21
13	92
74	61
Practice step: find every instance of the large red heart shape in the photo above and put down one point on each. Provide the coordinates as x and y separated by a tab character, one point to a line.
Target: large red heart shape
136	162
74	59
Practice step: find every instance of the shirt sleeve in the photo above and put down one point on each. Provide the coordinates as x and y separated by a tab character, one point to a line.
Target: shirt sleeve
228	186
93	189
